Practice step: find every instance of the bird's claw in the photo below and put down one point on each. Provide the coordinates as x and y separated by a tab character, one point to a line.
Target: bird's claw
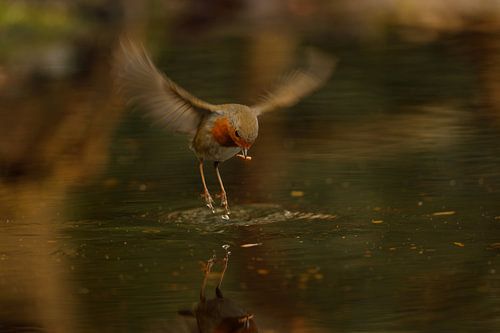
224	203
209	201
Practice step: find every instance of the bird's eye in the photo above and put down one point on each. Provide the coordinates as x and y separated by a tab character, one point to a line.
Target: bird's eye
237	134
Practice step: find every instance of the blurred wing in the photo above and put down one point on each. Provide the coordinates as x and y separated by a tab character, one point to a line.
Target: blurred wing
298	84
144	86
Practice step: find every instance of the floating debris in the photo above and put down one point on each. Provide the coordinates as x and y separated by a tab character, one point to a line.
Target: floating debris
250	245
297	194
459	244
445	213
243	157
377	221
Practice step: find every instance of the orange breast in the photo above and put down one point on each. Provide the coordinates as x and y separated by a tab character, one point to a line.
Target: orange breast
222	133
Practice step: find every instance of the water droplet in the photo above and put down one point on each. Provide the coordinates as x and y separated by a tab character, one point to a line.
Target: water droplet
225	217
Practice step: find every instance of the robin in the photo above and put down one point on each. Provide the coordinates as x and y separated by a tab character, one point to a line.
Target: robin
220	314
217	132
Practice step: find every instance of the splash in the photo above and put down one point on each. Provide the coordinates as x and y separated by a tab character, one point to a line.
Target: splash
252	214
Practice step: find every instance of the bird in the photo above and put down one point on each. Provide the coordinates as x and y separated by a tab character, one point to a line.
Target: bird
217	132
219	314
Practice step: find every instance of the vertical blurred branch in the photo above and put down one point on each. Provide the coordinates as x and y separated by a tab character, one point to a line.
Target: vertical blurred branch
58	113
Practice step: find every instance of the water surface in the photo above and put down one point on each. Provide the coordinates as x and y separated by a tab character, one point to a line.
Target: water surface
371	206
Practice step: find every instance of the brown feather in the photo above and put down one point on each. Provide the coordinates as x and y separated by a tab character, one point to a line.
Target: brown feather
145	87
298	83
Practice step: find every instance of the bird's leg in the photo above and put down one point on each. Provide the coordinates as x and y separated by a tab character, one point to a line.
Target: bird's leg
218	291
223	196
207	269
206	195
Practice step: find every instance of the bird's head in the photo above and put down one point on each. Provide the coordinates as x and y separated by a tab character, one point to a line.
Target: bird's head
237	127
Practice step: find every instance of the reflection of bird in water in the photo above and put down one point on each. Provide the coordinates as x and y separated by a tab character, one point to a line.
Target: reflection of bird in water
218	132
220	314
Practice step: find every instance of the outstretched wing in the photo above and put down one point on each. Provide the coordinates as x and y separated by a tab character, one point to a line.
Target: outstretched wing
147	88
298	83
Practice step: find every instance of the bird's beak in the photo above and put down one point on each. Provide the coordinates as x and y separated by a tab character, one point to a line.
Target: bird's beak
244	151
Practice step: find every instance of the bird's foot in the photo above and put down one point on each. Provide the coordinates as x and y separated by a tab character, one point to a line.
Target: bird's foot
209	201
225	204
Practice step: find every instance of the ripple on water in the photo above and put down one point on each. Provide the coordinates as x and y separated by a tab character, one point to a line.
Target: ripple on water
250	214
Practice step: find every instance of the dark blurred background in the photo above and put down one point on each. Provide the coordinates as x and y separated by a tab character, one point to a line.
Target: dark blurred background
374	202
